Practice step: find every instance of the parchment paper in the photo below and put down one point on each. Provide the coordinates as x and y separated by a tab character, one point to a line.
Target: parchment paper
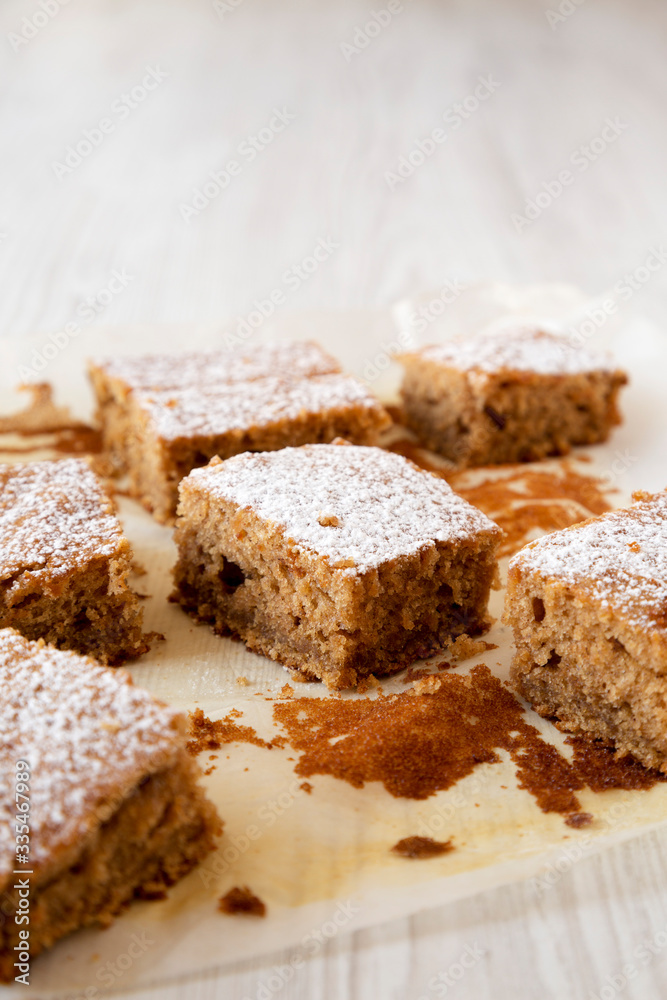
321	861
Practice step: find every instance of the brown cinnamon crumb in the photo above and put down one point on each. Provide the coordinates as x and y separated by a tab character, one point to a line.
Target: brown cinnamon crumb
634	546
413	674
287	691
425	743
422	847
306	787
241	900
416	673
210	735
579	819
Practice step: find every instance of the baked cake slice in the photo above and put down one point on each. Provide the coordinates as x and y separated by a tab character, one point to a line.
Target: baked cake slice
336	560
588	606
64	562
163	416
100	802
509	396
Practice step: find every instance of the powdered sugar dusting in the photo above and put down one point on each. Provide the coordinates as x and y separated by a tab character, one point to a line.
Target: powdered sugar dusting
523	350
620	558
53	516
356	506
299	359
88	735
243	406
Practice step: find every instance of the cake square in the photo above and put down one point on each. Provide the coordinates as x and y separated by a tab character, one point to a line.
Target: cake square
114	811
588	606
64	562
163	416
509	396
337	560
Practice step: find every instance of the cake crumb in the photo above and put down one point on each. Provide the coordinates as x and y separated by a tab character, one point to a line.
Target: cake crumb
369	683
241	900
242	681
287	691
463	647
427	685
328	520
422	847
306	787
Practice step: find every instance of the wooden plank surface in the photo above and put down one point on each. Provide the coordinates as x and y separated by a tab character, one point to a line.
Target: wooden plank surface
570	113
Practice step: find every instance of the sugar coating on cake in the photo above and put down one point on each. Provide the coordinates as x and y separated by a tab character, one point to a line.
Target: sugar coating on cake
522	350
619	558
300	359
349	504
53	516
87	733
239	407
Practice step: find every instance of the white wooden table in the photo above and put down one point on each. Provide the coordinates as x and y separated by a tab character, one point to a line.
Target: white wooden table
155	97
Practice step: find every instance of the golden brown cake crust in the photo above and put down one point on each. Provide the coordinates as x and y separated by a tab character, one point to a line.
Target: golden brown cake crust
114	807
64	562
338	561
588	607
164	416
514	395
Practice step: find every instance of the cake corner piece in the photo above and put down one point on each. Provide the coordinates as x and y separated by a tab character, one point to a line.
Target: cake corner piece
336	561
163	416
509	396
115	810
588	608
65	562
